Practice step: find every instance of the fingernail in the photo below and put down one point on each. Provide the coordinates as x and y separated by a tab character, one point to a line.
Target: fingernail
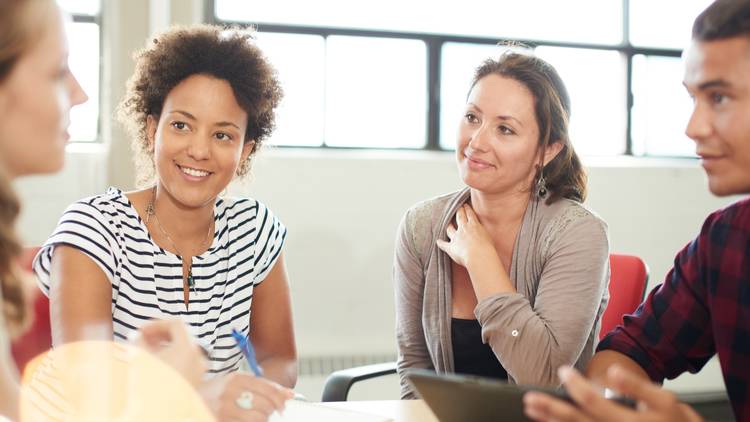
616	371
529	398
564	373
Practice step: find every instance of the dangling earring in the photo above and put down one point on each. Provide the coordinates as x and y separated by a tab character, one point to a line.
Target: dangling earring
150	210
541	184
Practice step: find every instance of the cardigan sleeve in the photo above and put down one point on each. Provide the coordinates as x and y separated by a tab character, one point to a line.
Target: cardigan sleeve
531	339
408	276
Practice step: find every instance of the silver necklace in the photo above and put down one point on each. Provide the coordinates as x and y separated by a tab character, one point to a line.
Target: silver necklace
151	212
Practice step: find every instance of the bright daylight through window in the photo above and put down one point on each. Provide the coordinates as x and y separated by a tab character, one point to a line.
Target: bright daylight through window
84	31
370	77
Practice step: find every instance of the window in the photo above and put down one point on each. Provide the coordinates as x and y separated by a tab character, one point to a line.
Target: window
661	106
376	92
83	32
559	21
301	63
596	84
662	25
395	74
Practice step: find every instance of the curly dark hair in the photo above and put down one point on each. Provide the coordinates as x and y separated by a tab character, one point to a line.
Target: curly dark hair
564	175
228	53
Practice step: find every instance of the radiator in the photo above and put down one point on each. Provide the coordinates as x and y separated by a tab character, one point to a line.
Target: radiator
317	366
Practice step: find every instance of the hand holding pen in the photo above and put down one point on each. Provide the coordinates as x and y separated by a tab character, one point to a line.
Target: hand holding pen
243	396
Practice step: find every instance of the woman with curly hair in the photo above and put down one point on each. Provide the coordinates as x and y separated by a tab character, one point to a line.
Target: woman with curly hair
199	105
37	91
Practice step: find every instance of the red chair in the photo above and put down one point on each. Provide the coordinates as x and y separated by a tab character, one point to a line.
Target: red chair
627	286
38	338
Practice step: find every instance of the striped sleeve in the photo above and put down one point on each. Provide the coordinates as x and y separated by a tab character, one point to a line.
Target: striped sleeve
270	235
88	227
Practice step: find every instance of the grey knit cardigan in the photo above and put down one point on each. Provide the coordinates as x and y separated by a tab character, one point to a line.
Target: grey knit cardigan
559	268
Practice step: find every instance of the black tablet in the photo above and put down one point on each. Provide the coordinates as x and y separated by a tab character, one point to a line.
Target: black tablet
461	398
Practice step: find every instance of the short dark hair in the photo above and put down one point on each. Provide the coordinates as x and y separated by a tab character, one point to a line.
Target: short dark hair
564	175
228	53
723	19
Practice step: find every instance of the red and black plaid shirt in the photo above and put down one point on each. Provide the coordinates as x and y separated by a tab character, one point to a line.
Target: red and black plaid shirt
702	308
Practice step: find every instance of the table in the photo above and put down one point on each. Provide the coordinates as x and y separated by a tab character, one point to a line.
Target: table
399	410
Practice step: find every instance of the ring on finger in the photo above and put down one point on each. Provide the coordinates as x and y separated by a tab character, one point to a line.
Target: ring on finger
245	400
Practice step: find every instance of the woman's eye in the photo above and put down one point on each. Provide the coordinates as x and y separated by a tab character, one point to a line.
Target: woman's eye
179	125
505	130
471	118
223	136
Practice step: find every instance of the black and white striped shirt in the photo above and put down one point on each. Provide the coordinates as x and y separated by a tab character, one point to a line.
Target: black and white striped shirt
147	280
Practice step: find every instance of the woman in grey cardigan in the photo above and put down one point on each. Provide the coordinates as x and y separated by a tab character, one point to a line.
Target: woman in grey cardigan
507	277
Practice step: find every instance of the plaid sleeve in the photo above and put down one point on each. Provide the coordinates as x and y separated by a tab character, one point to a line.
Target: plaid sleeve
671	331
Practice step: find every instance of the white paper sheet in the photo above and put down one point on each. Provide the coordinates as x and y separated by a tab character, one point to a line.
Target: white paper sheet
298	411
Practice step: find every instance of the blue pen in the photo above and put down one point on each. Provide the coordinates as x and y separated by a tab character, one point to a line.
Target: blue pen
246	347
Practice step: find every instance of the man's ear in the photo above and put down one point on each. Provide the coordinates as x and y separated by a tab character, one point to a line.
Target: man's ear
552	150
151	124
247	150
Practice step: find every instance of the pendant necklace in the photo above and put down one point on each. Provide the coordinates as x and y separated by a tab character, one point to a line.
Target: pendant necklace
151	212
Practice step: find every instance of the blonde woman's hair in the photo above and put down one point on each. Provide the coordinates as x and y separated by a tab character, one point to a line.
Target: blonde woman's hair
19	30
11	281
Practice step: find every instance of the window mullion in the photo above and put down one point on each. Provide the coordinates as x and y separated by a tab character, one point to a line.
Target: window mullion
434	52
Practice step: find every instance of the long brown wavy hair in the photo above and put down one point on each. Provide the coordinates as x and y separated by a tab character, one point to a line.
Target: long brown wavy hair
14	303
564	174
18	31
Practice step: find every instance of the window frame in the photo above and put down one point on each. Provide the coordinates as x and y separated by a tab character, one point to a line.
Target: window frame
434	44
97	20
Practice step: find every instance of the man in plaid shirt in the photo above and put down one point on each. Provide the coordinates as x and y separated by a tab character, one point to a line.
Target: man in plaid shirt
703	307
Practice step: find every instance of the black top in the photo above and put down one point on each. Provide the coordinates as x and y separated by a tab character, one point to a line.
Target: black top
470	355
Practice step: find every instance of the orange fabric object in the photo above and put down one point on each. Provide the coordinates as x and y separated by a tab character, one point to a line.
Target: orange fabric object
627	283
38	338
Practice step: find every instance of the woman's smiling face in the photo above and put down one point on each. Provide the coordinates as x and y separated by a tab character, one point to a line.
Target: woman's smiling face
198	140
498	137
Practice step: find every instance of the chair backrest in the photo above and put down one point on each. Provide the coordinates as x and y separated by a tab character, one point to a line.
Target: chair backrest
627	285
38	338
